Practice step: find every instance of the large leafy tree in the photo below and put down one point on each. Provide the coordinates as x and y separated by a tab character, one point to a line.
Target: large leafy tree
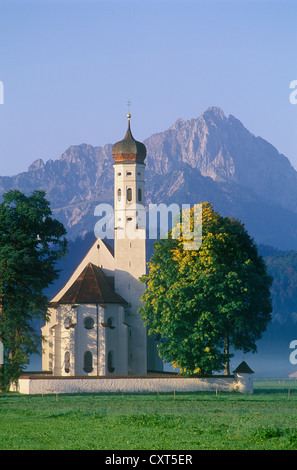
31	243
199	303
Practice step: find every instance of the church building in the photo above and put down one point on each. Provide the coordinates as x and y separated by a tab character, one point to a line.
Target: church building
94	327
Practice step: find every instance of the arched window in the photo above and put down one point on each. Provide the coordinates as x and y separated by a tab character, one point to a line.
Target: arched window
88	361
110	362
67	362
110	323
89	323
129	194
119	195
139	195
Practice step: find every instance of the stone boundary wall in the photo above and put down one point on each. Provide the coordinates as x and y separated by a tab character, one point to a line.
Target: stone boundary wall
135	384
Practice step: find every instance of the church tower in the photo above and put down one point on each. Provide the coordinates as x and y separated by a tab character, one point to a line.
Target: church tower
130	241
94	328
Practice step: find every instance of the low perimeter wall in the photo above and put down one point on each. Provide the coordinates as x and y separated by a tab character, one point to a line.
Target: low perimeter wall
135	384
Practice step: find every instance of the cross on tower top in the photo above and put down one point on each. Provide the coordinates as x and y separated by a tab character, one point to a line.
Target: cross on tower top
129	106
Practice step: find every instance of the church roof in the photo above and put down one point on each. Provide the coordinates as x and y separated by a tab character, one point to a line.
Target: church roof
91	287
243	368
128	149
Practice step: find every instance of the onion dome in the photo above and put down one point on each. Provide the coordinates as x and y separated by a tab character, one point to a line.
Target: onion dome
129	150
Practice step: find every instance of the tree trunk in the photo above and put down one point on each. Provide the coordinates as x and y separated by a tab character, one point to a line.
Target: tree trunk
226	352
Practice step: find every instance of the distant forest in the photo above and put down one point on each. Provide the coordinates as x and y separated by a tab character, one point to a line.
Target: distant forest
282	266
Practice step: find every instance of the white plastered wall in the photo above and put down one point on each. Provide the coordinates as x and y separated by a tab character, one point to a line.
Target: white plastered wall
130	256
53	351
69	334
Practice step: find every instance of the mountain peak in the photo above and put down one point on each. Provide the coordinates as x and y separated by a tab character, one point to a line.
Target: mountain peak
214	113
178	124
36	165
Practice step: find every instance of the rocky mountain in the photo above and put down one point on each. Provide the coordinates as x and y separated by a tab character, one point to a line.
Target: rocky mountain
211	158
75	183
224	150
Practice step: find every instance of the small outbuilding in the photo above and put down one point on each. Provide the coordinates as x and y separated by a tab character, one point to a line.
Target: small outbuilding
244	378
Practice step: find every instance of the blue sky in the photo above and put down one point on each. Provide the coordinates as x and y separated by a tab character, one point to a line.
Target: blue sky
70	66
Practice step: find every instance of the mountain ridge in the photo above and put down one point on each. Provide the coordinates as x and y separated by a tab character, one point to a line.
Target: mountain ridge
225	150
212	157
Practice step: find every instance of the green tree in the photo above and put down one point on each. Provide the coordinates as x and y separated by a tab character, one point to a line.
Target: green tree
199	303
31	243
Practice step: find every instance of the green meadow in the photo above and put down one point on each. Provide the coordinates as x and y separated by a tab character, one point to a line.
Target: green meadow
265	420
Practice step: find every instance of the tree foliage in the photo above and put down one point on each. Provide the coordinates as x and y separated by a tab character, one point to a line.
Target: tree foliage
198	303
31	243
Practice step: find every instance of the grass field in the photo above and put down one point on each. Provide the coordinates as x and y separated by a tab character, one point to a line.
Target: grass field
265	420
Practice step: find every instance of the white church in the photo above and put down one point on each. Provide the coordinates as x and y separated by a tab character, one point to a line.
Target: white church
94	328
